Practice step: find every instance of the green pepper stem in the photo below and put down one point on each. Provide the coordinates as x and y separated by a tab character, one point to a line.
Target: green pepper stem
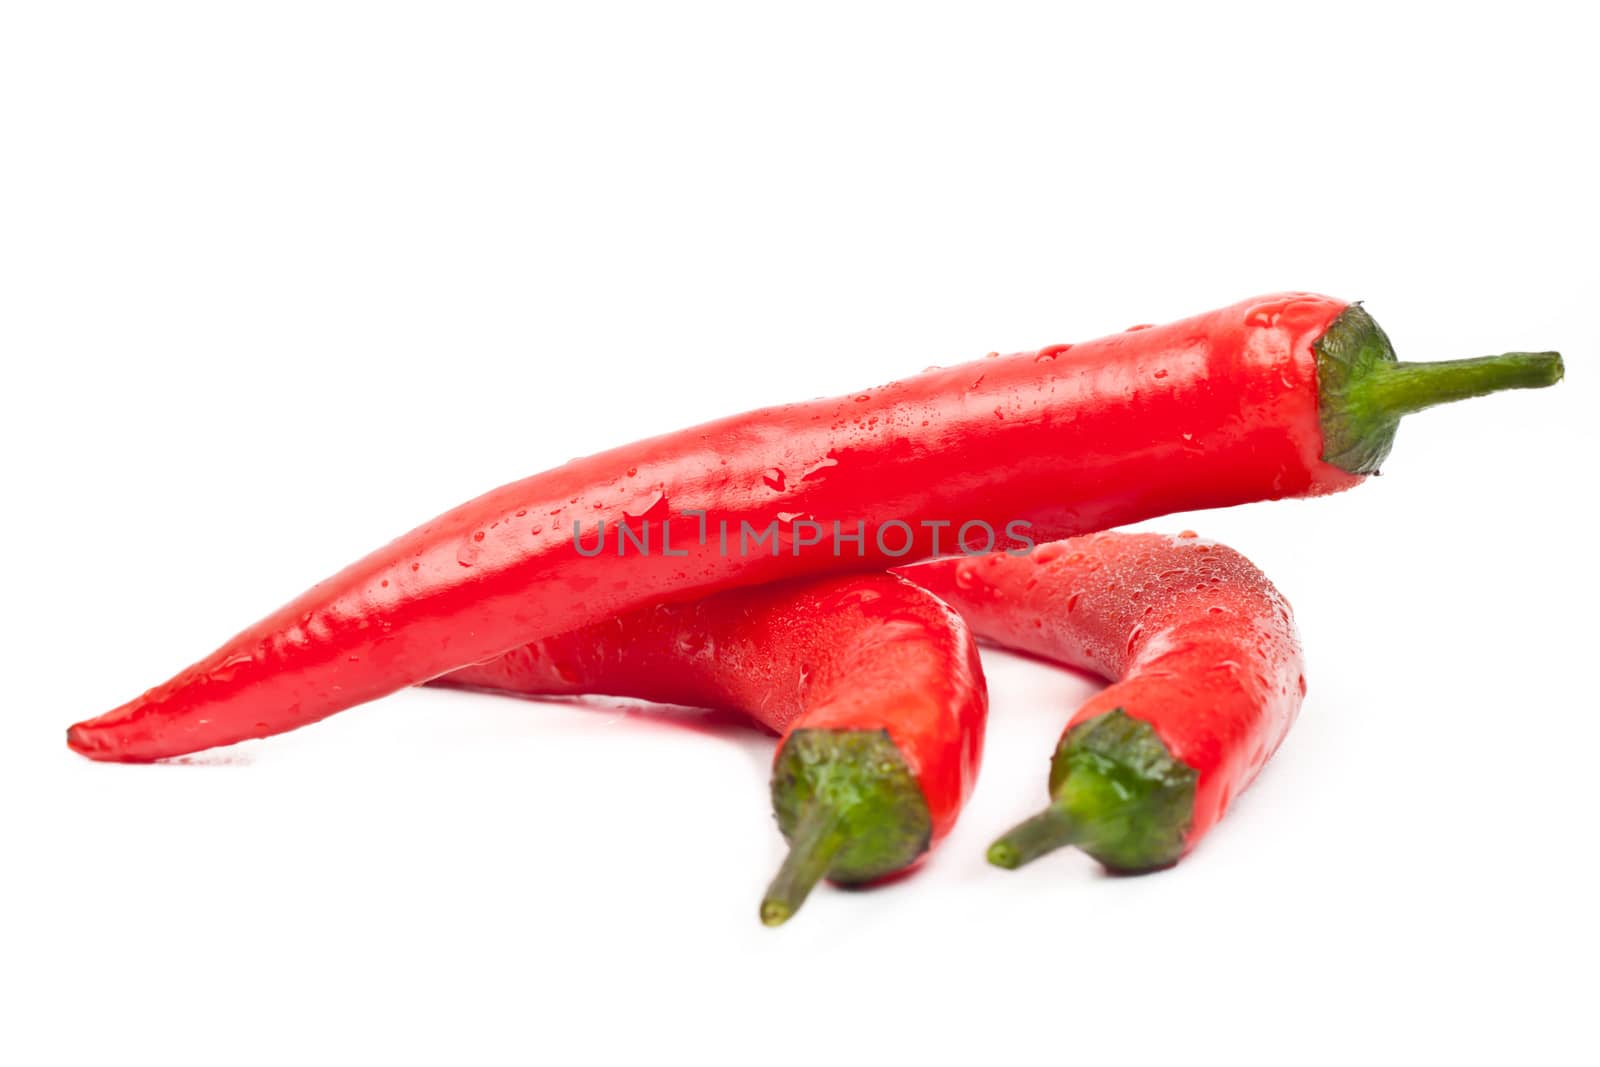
1047	831
1397	389
817	839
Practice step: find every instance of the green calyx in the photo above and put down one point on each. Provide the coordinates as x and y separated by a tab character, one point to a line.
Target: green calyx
1118	794
1362	390
851	810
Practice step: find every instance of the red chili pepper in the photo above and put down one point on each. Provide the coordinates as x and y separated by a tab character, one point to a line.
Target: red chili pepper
1206	679
874	684
1218	409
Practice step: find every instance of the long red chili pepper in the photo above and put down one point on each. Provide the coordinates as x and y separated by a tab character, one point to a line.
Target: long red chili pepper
874	684
1287	395
1206	678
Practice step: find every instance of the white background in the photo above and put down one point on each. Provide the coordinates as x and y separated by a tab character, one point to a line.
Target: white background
279	281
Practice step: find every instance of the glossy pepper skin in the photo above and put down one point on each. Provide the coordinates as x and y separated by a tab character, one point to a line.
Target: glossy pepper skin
873	683
1218	409
1206	678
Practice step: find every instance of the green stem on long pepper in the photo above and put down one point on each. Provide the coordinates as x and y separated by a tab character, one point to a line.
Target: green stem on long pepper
1362	390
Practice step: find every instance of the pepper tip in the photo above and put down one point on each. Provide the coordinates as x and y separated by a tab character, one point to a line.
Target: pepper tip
90	743
78	739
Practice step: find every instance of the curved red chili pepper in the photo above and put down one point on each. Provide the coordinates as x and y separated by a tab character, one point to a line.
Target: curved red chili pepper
1196	642
1222	408
835	666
